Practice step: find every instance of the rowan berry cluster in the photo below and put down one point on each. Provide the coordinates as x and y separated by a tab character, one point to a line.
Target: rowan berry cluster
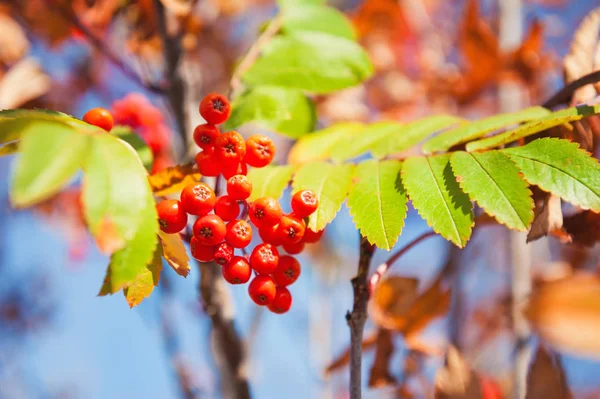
224	223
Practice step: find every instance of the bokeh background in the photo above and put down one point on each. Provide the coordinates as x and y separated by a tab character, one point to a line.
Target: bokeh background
59	340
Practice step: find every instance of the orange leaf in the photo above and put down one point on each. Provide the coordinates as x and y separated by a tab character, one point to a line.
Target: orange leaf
380	375
174	253
173	179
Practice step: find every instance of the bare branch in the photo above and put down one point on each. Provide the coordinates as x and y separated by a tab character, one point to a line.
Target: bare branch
564	95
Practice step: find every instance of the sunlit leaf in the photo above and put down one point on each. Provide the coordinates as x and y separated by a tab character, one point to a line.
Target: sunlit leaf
319	145
287	111
173	179
51	153
478	129
317	18
493	180
434	192
269	181
175	253
330	183
311	61
535	126
364	140
145	282
562	168
548	218
391	301
144	152
377	202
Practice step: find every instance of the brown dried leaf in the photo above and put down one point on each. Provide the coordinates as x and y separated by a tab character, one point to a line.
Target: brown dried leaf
380	375
566	313
344	358
584	55
583	227
548	218
173	179
13	40
546	378
174	253
456	380
24	82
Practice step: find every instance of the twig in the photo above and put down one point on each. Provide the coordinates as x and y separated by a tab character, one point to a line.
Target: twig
358	317
95	41
252	54
564	95
381	269
175	90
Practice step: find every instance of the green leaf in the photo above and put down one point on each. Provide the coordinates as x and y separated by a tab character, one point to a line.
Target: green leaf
287	111
377	202
435	193
115	186
317	18
536	126
129	263
330	183
51	153
494	181
477	129
318	146
562	168
284	4
144	152
311	61
409	135
365	140
269	181
145	282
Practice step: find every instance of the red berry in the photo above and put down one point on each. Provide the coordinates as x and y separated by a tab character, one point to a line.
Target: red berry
287	272
260	151
282	301
310	237
294	248
239	187
269	234
239	233
223	253
291	229
227	208
198	199
237	271
171	216
230	148
264	258
232	169
208	164
304	203
209	230
215	108
265	211
99	117
203	253
205	136
262	290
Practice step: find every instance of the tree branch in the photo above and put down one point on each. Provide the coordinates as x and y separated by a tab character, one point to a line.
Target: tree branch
358	317
564	95
95	41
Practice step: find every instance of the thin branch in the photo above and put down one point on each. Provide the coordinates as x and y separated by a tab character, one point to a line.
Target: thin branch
358	317
383	268
564	95
252	55
95	41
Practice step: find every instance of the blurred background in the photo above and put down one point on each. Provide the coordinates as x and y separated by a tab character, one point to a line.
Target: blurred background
59	340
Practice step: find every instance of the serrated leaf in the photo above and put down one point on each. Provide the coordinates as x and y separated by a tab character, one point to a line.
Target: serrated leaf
377	202
51	153
269	181
411	134
174	253
562	168
311	61
536	126
128	263
330	183
114	187
477	129
287	111
144	152
318	146
434	192
173	179
493	180
365	140
316	18
145	282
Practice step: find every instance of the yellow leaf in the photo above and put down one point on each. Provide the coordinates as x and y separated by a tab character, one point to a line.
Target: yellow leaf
145	282
173	179
174	253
